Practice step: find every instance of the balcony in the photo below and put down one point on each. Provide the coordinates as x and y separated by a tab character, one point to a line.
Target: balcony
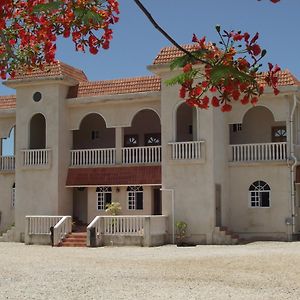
258	152
141	155
187	150
36	158
7	163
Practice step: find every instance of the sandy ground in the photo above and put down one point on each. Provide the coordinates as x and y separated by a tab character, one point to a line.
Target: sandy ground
262	270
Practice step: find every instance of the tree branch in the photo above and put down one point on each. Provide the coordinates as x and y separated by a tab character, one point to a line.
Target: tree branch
164	33
7	45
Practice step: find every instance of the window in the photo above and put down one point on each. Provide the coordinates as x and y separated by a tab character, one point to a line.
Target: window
131	140
259	193
135	196
279	134
103	197
152	139
237	127
13	195
95	134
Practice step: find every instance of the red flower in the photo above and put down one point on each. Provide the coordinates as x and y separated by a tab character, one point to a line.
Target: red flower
187	68
215	101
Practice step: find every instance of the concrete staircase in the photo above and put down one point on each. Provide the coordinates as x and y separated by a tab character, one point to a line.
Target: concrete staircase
223	236
8	236
75	239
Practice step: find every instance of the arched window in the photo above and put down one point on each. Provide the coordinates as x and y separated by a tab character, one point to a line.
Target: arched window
135	195
103	197
37	132
13	195
259	194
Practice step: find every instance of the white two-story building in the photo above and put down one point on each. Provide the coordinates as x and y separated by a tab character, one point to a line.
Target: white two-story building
81	144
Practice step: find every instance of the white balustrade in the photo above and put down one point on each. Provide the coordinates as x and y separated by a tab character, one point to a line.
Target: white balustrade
36	157
7	163
141	155
37	225
258	152
61	229
187	150
85	157
124	225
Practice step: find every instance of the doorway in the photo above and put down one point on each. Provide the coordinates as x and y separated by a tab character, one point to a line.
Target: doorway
157	205
218	205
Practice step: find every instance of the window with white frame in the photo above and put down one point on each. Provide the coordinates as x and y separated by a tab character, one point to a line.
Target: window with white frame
13	195
259	194
103	197
135	195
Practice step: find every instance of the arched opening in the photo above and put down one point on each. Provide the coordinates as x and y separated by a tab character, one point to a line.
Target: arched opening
186	123
93	134
8	144
145	130
258	126
37	132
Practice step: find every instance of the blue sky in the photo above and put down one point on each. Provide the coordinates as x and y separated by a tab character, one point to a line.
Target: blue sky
136	42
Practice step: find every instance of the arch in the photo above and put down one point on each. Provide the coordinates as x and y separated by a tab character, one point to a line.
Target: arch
37	132
185	122
93	133
91	113
259	194
142	109
145	129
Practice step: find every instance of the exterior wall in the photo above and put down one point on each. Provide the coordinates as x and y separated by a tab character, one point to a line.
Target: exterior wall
120	197
7	211
192	181
41	191
261	222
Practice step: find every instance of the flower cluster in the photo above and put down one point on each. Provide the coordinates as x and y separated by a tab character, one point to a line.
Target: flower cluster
29	29
219	75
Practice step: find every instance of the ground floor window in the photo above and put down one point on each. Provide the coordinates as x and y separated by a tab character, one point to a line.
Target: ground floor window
103	197
259	193
135	195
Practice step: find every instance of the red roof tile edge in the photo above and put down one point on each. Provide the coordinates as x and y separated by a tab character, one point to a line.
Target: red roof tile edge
7	102
150	175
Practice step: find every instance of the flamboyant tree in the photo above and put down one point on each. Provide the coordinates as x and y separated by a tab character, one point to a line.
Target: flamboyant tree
29	29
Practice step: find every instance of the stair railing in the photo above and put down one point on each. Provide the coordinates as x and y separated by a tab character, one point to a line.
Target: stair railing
62	229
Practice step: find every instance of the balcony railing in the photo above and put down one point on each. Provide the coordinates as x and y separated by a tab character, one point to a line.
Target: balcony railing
258	152
187	150
93	157
36	157
7	163
141	155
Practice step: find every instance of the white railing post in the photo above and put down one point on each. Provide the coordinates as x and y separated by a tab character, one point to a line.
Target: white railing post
39	157
91	157
187	150
141	155
61	229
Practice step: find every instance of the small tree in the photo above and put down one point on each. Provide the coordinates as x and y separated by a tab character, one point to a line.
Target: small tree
113	208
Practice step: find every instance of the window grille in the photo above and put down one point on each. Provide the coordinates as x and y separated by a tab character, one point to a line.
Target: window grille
259	193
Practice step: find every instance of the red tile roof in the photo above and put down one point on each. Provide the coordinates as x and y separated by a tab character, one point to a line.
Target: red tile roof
54	70
167	54
119	86
7	102
114	176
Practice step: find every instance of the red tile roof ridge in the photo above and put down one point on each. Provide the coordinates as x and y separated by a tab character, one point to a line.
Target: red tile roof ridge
7	102
124	79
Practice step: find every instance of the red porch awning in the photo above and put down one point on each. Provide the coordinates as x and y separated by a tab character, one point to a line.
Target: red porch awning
143	175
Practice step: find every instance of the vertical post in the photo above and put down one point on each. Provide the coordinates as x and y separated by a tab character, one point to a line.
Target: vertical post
147	231
27	238
118	144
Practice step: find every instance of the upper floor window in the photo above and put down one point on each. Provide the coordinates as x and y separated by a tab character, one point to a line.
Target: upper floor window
259	193
236	127
131	140
152	139
103	197
135	197
279	134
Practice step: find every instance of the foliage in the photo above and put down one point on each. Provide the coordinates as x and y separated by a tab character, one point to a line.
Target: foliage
226	72
180	231
113	208
29	29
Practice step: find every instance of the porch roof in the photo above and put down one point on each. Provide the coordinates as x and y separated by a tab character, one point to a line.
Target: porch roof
142	175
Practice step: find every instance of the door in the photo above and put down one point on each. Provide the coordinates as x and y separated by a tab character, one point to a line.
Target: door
157	208
218	205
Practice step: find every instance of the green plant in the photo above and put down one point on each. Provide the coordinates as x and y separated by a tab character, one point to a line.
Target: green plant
180	231
113	208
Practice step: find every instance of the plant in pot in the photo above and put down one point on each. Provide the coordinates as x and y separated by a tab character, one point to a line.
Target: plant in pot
180	232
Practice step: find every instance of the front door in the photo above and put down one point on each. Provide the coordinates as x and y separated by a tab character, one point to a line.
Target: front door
157	209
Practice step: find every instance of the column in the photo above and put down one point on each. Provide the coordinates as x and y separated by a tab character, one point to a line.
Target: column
119	144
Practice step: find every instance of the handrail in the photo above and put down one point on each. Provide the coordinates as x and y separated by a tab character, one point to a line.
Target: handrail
61	229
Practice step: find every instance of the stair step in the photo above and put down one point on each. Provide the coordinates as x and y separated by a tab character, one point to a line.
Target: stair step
75	239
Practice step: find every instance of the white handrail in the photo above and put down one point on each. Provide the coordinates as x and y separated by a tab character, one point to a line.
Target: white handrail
141	155
258	152
187	150
83	157
61	229
36	157
7	163
37	225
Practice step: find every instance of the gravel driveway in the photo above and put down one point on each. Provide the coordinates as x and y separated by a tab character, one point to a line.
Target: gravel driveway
262	270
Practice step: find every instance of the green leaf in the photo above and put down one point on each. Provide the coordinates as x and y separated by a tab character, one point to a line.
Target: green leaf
183	60
86	15
47	6
181	78
222	72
